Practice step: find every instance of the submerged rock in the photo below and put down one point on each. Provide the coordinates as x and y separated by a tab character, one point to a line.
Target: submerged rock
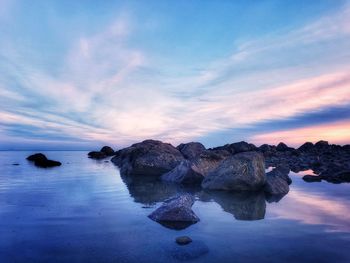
277	183
176	212
40	160
183	240
191	150
149	157
185	173
240	172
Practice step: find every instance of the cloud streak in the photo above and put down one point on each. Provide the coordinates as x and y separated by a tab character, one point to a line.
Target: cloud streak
106	88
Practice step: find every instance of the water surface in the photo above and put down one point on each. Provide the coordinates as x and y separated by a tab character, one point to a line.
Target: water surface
84	211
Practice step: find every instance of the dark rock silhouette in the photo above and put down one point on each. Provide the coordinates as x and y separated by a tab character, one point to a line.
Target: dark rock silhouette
237	147
97	155
240	172
183	240
312	178
40	160
176	212
191	251
185	173
107	151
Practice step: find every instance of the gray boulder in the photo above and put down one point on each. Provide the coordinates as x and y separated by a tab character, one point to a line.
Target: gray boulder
277	182
240	172
176	212
191	150
210	160
185	173
149	157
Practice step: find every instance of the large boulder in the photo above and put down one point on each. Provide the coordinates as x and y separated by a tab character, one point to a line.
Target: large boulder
240	172
41	160
107	151
176	212
149	157
191	150
277	182
185	173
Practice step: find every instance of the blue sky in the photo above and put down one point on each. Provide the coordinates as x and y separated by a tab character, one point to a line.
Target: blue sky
79	74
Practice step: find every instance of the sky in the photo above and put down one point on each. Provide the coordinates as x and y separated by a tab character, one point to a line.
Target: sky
76	75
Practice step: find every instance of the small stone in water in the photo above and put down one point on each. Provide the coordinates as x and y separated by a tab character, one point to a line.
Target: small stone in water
183	240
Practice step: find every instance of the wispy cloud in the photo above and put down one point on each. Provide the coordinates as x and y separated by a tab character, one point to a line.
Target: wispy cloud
108	88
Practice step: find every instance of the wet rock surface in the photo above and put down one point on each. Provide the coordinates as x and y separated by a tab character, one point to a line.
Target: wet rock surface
185	173
240	172
278	181
41	160
176	212
331	162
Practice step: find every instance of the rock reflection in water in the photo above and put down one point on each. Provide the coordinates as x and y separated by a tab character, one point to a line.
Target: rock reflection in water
149	190
242	205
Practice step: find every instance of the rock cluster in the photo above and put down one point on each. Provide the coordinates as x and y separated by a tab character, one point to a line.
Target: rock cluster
41	160
105	151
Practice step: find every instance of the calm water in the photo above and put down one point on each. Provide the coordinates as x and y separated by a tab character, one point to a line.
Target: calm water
84	211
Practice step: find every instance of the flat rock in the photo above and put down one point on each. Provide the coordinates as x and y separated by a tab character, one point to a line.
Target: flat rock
185	173
97	155
176	212
312	178
240	172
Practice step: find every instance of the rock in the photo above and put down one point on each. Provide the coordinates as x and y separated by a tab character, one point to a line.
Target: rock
185	173
321	144
176	212
183	240
97	155
209	160
40	160
308	146
312	178
107	150
336	174
237	147
149	157
277	182
241	172
282	147
16	164
191	150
